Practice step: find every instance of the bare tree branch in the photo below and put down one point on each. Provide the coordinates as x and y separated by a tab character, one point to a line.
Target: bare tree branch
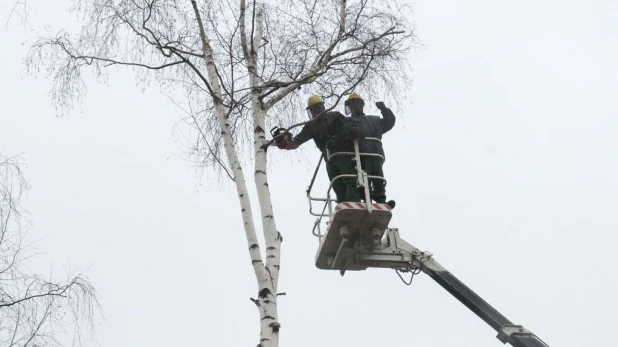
34	310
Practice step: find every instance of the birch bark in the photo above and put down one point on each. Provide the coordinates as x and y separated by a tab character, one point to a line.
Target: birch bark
231	153
269	334
266	276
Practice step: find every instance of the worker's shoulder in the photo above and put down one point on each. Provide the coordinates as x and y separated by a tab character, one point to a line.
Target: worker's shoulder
333	114
333	117
373	118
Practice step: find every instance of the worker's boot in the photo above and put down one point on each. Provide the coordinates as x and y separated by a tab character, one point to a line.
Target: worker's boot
382	200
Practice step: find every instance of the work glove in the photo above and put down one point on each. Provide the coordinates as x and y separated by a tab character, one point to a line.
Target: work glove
286	142
292	145
380	105
283	142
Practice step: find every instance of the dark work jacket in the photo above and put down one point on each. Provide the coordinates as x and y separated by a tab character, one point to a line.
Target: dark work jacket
375	127
351	128
328	128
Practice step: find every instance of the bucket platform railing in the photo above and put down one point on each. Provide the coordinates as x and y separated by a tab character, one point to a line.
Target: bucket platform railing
361	177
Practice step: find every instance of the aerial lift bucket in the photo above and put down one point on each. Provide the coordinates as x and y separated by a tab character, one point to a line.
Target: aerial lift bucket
352	230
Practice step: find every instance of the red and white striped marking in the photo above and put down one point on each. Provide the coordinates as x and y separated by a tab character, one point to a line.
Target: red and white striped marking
361	206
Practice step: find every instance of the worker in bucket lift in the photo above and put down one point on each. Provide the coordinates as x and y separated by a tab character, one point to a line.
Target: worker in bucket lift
375	127
328	131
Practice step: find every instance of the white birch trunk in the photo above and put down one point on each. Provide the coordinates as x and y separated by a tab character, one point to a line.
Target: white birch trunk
266	271
265	276
269	335
267	294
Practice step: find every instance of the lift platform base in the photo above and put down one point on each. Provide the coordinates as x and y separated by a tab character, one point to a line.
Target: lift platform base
352	230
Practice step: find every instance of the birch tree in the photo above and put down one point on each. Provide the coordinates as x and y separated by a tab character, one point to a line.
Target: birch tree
35	310
235	68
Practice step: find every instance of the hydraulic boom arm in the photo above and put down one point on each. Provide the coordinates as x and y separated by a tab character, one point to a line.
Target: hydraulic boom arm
399	254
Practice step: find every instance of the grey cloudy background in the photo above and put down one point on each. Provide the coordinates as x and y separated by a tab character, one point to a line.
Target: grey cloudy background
504	165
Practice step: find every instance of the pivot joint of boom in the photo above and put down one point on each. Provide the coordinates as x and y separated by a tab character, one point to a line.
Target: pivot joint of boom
508	330
517	335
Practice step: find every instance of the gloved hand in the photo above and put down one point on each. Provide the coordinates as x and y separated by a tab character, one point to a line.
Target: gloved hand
380	105
292	145
283	142
286	142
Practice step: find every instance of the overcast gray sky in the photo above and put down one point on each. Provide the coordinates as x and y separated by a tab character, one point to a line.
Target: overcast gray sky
505	166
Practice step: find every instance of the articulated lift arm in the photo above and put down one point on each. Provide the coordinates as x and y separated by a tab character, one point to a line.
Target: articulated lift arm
398	254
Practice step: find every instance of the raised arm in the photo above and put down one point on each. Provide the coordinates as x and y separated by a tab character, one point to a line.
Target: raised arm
388	118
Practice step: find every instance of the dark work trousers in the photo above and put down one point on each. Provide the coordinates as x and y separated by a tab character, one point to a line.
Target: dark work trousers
373	167
345	188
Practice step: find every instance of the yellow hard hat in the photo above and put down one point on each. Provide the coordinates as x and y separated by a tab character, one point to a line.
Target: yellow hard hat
313	100
354	96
